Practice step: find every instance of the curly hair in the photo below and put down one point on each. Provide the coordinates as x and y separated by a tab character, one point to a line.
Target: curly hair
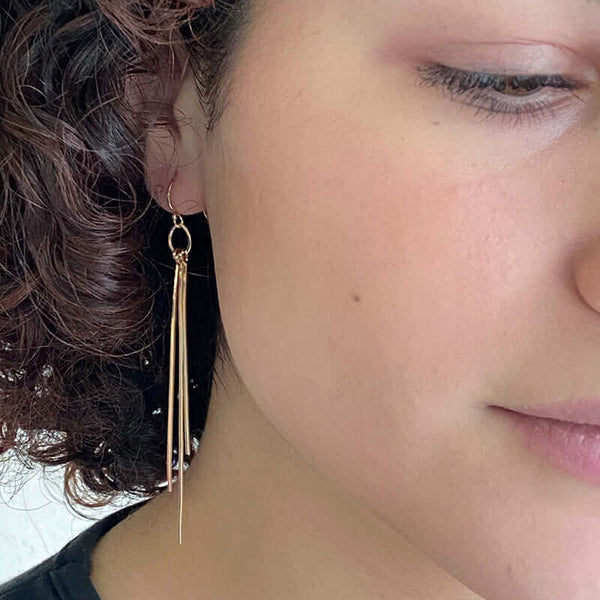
85	274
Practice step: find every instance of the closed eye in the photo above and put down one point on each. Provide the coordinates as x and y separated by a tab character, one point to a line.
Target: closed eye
500	94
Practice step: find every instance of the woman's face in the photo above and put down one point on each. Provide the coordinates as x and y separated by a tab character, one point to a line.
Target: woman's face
391	261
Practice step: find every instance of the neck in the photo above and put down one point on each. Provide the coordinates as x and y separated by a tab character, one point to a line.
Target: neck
258	523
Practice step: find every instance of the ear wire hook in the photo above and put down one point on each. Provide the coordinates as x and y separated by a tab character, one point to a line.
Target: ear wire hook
169	198
177	219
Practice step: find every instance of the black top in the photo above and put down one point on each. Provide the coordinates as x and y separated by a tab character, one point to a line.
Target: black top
66	574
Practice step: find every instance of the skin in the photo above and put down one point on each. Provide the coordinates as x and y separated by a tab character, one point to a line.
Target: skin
388	265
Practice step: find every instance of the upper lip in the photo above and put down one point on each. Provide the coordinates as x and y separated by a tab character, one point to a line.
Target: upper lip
584	411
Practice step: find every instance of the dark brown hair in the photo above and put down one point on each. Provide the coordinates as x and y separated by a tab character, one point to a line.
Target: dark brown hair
86	274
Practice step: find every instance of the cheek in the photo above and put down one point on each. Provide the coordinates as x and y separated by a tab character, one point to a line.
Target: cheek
358	288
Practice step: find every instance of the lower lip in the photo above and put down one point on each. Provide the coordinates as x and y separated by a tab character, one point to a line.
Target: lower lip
571	447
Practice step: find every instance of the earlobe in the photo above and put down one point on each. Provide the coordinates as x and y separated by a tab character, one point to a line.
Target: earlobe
174	146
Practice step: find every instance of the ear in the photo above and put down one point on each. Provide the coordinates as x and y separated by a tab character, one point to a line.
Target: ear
174	144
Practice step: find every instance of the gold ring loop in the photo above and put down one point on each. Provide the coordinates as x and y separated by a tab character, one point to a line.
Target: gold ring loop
187	232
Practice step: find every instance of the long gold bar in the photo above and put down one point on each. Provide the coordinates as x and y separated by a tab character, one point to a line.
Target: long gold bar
181	404
185	381
169	459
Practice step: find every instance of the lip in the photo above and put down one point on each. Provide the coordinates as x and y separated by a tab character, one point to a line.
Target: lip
573	447
576	410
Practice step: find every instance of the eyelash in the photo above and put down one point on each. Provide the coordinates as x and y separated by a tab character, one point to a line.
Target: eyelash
458	81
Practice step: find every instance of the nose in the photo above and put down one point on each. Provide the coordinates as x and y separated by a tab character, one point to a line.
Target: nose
587	275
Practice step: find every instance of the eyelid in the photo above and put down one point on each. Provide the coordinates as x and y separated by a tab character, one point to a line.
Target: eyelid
509	58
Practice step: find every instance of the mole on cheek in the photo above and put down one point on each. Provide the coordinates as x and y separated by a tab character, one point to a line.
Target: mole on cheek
356	297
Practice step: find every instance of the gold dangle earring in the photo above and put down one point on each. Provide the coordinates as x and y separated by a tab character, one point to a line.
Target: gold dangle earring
178	323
